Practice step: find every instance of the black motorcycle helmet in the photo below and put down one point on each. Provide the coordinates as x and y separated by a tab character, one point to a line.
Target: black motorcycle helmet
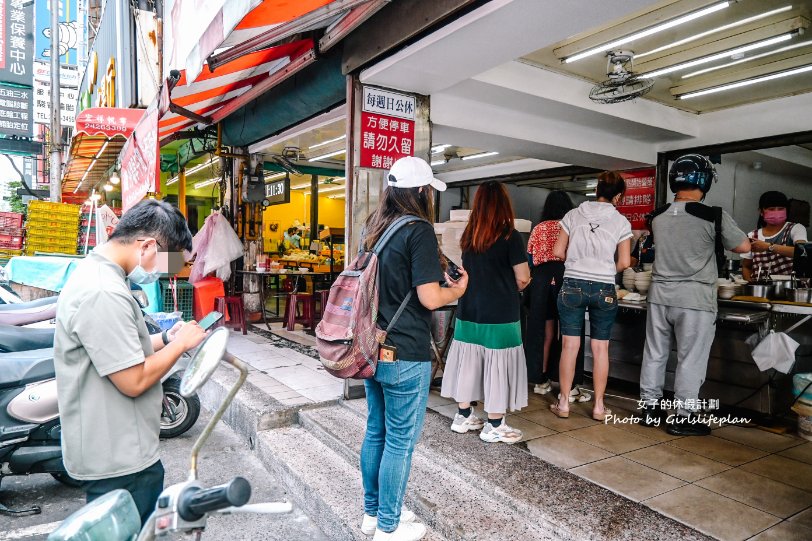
691	171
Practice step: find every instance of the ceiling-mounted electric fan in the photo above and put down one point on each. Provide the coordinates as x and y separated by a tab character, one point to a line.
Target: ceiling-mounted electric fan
623	84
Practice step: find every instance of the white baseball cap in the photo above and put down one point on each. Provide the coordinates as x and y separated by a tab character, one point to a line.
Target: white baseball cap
412	172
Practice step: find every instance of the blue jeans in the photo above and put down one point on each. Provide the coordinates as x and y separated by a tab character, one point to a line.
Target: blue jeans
578	295
397	398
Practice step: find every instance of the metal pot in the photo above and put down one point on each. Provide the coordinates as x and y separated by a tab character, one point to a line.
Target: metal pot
780	288
799	295
761	291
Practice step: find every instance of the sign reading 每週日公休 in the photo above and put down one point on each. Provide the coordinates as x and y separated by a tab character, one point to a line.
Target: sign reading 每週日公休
387	127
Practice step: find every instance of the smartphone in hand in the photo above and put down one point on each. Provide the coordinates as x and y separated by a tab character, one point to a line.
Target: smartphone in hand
211	318
452	269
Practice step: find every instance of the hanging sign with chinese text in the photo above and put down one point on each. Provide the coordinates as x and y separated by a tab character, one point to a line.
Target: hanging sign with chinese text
139	159
15	111
16	41
42	103
639	198
387	127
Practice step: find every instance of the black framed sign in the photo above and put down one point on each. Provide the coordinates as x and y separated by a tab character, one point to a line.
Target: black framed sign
278	191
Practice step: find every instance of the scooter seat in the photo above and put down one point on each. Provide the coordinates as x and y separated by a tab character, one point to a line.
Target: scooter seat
22	306
13	338
24	367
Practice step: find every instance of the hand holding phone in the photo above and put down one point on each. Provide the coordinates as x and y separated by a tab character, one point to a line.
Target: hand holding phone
211	318
453	270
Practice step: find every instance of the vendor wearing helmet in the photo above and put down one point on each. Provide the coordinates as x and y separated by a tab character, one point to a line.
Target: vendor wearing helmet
773	242
682	298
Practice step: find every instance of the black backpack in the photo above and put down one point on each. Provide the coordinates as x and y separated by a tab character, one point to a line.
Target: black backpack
709	214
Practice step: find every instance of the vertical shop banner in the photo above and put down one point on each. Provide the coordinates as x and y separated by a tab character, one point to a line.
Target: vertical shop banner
139	159
16	41
16	114
387	127
639	198
68	31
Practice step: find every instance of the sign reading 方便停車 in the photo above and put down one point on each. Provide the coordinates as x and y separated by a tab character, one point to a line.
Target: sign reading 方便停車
387	127
639	200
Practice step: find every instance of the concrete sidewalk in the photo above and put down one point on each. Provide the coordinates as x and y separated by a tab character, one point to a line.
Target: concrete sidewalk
740	483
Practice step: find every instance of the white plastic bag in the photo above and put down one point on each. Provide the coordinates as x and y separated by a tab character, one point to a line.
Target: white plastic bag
216	245
776	350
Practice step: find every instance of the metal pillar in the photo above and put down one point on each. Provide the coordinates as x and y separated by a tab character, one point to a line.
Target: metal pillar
56	120
314	208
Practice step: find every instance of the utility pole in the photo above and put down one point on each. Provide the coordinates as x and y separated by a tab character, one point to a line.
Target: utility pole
56	120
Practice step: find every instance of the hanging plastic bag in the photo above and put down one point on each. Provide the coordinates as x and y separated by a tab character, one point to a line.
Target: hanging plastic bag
200	244
776	350
224	246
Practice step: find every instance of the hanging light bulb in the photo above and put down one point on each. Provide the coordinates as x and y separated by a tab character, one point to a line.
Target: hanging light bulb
114	178
108	187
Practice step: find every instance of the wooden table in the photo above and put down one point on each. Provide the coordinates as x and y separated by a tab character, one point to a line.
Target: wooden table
277	273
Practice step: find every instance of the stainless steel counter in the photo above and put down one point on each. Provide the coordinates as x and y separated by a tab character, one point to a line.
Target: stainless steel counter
732	375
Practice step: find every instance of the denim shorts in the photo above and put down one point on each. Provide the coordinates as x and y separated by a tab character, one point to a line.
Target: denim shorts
576	297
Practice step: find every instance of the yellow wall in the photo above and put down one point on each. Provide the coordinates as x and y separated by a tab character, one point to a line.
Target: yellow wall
331	214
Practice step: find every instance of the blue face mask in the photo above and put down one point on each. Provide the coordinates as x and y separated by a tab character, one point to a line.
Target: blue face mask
140	276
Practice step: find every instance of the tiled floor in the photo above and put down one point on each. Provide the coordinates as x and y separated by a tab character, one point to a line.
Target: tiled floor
285	374
740	483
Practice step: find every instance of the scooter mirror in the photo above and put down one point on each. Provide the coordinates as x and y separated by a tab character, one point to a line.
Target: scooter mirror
205	362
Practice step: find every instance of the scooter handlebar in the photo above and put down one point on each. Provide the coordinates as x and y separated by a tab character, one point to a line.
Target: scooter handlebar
195	502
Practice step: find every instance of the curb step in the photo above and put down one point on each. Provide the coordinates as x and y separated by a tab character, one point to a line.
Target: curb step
447	502
523	488
321	482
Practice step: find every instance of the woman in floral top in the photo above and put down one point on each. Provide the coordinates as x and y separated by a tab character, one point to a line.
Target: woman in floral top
548	273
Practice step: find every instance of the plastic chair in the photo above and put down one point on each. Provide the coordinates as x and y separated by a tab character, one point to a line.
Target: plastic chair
294	315
233	310
321	297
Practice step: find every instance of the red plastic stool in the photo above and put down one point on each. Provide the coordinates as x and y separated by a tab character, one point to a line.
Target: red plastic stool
233	309
321	297
294	315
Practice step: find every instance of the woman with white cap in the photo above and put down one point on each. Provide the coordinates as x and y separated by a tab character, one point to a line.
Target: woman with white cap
398	393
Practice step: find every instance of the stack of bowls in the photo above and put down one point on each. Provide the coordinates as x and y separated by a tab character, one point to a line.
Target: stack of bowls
628	279
728	289
642	281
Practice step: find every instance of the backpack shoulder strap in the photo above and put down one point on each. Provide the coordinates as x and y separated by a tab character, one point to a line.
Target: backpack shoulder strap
656	212
393	228
703	212
714	215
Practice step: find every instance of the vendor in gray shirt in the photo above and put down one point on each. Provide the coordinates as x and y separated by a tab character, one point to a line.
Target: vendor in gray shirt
682	298
108	367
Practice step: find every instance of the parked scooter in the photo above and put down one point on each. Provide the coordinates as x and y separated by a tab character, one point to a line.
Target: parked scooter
25	313
184	507
29	419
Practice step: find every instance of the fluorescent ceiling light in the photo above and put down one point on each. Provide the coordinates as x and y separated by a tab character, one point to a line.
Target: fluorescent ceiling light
339	196
745	82
719	56
714	31
333	189
591	194
328	155
300	186
207	183
435	163
325	143
647	32
480	155
274	175
592	184
439	148
191	171
748	59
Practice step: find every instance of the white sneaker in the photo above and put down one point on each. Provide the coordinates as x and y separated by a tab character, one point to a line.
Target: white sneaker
543	388
370	524
502	433
461	424
578	395
408	531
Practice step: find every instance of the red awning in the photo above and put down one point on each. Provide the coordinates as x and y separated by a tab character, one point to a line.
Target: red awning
100	134
247	76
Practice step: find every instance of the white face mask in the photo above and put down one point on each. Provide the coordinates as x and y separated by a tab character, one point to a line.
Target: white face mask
139	275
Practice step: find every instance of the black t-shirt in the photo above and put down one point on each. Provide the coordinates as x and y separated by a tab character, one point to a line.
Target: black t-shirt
410	259
492	295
